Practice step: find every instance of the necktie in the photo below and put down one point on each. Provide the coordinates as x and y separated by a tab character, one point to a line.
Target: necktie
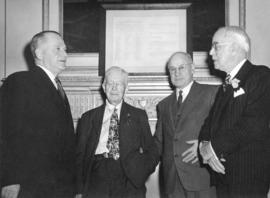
226	82
179	100
60	88
113	138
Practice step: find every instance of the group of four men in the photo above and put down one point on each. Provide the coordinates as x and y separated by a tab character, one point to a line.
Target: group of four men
223	130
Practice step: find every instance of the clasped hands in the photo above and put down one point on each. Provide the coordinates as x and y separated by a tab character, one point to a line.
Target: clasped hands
209	157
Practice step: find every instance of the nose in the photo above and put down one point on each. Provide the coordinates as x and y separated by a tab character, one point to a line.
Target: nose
211	52
65	53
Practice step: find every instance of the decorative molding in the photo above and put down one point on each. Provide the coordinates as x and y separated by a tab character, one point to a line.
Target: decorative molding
46	14
242	14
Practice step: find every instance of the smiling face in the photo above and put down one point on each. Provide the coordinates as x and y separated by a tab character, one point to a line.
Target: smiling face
115	86
181	70
51	51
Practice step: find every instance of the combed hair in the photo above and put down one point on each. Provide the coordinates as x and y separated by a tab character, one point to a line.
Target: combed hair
37	38
238	35
116	68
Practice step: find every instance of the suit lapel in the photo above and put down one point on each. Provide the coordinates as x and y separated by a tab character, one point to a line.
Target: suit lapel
223	98
171	105
191	99
44	82
95	131
124	116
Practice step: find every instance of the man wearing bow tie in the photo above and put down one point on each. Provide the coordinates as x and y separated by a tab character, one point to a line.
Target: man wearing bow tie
116	151
235	138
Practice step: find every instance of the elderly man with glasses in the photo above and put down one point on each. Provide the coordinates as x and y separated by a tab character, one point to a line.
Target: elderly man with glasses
235	139
180	117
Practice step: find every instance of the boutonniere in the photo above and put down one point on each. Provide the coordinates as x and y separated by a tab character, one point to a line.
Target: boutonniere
237	90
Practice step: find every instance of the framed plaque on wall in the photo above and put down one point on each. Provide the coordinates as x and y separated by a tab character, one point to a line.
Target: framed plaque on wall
141	37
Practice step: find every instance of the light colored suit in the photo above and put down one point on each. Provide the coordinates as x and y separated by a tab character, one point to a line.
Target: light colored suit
171	137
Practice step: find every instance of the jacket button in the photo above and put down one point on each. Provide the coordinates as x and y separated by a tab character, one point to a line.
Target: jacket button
175	155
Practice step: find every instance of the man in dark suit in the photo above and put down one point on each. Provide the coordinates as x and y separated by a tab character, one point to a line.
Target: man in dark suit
39	140
116	150
180	117
235	138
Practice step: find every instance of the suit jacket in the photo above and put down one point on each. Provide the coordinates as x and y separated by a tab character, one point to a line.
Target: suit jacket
39	139
134	132
171	136
238	127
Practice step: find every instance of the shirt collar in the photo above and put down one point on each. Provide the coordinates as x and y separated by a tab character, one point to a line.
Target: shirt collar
111	107
236	69
49	73
185	90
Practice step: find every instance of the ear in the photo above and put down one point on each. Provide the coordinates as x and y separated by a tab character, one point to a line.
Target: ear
193	68
103	87
126	89
38	53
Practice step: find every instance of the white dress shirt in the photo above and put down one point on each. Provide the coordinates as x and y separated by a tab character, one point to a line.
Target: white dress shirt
185	91
103	138
50	74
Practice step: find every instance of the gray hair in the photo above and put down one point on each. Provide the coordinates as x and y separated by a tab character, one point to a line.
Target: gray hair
38	38
238	35
119	69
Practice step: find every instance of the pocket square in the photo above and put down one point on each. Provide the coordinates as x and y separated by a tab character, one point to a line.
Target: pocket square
239	92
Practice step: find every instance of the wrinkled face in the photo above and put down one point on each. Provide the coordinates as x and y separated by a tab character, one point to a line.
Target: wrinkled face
115	87
53	53
181	71
221	51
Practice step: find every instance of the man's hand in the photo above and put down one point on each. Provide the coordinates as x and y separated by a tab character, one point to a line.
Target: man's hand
11	191
209	157
190	155
216	165
205	151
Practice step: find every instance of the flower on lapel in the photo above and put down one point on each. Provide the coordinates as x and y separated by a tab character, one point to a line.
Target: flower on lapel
237	90
235	83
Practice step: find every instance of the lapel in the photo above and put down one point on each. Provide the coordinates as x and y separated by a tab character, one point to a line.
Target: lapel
45	84
189	102
98	119
223	98
95	130
171	106
124	119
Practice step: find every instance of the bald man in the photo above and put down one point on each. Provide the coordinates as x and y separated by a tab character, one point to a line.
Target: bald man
180	117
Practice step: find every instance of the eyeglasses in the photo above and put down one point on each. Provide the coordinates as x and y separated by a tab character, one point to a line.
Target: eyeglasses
216	45
173	69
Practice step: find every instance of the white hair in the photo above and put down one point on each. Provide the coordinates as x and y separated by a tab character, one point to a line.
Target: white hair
238	35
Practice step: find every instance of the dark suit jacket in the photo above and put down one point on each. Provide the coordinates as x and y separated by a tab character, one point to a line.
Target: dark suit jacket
171	137
39	140
134	133
238	127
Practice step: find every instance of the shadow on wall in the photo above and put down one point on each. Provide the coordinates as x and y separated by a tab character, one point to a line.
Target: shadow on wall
28	56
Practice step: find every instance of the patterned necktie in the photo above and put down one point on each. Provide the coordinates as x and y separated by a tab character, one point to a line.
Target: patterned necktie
226	82
60	88
113	138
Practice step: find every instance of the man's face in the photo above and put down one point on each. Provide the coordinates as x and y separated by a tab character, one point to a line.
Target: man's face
54	54
221	51
181	71
115	87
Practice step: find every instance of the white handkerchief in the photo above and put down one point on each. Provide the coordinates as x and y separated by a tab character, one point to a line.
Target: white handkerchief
239	92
